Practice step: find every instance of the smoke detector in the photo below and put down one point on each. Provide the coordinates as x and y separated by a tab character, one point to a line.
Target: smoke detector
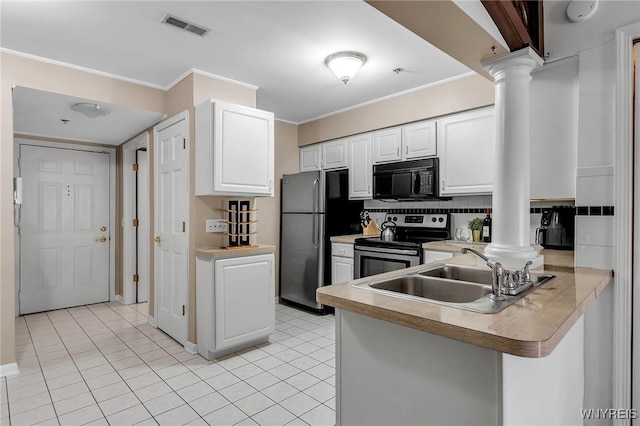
581	10
185	25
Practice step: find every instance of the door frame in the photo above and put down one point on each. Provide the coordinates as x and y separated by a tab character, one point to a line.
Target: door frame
626	279
184	115
18	141
128	211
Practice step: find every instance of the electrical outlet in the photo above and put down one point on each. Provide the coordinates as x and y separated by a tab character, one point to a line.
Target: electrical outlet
215	225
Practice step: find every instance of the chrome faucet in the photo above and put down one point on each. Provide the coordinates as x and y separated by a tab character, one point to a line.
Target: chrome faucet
498	276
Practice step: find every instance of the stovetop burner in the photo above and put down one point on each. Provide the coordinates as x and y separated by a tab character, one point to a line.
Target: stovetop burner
412	230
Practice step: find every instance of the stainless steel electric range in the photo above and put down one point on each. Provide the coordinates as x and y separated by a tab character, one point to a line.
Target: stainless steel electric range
374	256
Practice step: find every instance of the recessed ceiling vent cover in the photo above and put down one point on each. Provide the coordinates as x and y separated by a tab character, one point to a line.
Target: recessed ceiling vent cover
185	25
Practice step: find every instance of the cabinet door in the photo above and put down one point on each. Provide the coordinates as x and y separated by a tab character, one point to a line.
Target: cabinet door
432	256
243	150
387	145
244	300
334	154
465	147
234	151
310	158
419	139
360	167
341	269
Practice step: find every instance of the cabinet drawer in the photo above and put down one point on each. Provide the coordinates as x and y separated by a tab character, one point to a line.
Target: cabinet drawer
342	250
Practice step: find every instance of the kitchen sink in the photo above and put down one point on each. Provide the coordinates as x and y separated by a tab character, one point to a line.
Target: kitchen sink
457	286
435	288
461	273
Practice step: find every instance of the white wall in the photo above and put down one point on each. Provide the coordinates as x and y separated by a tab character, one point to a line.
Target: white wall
553	132
593	42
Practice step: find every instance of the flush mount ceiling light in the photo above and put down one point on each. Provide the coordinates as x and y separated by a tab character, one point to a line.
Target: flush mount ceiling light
90	110
345	64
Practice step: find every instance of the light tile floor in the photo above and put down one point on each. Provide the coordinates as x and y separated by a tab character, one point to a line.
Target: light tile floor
104	365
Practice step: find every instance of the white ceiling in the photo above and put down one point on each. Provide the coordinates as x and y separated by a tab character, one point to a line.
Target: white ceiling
279	46
40	113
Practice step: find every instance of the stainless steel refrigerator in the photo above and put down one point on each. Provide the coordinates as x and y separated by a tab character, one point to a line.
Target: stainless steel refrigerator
315	206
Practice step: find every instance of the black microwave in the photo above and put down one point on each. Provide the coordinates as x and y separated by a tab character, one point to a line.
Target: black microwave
406	180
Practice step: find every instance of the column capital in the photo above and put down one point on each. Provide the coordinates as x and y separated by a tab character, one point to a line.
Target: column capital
526	59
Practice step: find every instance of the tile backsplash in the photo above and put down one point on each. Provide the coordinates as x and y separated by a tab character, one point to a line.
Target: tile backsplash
462	209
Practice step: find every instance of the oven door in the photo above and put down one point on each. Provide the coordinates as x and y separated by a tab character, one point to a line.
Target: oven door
376	260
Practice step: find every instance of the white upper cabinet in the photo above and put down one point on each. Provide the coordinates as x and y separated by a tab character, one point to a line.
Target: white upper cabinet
310	158
334	154
360	166
419	139
465	148
387	145
416	140
324	156
234	150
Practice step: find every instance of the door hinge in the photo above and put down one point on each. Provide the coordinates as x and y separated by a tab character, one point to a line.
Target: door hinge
135	278
135	167
182	310
19	296
184	227
135	222
184	143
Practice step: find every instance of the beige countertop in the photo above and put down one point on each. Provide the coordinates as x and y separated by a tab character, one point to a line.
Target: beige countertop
531	327
452	246
347	239
225	253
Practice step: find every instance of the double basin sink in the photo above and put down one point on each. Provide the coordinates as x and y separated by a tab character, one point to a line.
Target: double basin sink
458	286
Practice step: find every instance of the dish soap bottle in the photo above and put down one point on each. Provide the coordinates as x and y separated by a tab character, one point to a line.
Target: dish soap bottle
486	228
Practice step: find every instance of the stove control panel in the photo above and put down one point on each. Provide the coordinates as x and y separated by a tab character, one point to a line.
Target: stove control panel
420	220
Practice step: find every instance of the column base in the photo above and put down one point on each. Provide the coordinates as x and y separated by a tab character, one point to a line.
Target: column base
514	257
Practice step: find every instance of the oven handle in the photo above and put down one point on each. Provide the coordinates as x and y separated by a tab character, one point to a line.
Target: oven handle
413	252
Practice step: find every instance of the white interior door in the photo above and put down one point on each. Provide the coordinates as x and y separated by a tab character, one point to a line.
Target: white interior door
171	214
142	214
64	235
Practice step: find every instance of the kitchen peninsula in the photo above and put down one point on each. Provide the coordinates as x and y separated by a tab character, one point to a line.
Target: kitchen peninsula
402	361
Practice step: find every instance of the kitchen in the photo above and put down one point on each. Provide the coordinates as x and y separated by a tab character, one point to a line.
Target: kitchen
592	149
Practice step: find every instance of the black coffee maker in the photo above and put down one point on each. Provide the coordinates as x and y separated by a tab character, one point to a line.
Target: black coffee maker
557	227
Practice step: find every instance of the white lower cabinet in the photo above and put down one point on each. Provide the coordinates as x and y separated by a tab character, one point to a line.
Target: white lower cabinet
341	263
433	256
235	302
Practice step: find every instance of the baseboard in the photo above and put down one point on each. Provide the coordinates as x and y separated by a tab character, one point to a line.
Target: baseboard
9	369
120	299
191	348
152	321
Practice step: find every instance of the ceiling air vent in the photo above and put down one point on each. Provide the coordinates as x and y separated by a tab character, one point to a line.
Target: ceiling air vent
185	25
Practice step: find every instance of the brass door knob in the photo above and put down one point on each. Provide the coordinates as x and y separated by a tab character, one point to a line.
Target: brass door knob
158	240
103	229
101	239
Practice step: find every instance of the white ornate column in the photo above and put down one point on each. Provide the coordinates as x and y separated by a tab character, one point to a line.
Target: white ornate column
511	193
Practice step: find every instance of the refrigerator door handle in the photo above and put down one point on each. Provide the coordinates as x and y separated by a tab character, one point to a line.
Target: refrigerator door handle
316	196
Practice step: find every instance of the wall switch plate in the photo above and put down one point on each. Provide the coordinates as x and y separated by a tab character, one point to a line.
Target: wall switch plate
216	225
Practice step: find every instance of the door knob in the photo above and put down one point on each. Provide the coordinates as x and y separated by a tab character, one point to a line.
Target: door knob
157	239
103	229
101	239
